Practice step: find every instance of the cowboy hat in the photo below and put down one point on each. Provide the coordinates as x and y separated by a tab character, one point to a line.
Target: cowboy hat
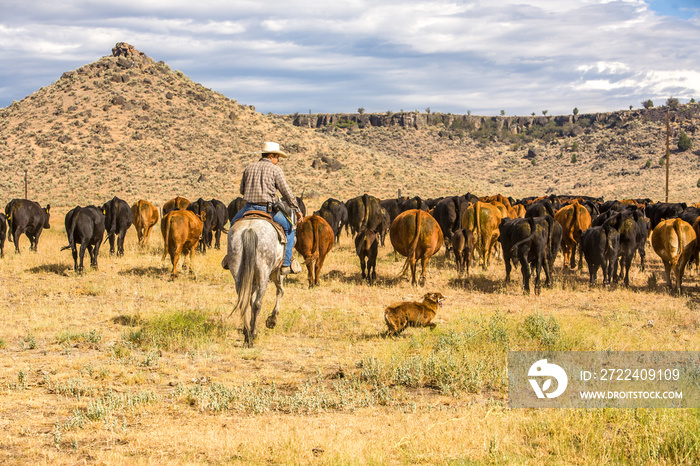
272	148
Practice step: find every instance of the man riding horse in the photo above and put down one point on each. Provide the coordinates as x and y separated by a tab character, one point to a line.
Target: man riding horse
260	182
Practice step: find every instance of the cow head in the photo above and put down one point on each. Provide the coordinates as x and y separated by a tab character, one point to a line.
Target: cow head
46	216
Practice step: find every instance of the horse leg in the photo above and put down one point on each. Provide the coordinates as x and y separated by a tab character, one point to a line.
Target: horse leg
279	284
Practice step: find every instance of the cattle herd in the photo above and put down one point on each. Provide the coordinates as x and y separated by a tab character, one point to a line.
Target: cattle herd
528	232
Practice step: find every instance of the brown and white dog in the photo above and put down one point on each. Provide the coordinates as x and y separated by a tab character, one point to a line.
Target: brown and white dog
398	316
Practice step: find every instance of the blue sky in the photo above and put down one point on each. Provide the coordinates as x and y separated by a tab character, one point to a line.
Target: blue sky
450	56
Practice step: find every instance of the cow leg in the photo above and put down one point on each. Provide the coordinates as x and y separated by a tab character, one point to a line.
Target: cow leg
667	269
83	246
642	256
319	264
627	263
423	265
217	237
120	244
93	256
572	257
74	251
362	266
111	244
525	268
192	271
509	266
15	238
175	256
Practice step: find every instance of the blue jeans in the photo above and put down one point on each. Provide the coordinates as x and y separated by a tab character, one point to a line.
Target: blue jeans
282	220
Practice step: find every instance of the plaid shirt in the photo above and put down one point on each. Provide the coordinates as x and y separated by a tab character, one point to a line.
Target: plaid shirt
260	183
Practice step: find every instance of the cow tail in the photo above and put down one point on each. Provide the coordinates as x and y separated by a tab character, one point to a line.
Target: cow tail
414	244
679	233
531	221
166	235
574	221
315	249
458	221
71	230
246	275
608	243
477	230
365	217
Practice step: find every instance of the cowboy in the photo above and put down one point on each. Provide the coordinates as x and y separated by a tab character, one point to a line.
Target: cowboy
261	181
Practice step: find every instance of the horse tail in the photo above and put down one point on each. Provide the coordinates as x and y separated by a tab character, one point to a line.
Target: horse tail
414	245
246	275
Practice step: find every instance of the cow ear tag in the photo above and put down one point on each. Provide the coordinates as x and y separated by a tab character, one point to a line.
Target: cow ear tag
104	211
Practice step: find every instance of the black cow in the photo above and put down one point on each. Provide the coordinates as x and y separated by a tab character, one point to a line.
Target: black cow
413	203
118	218
85	226
199	206
526	239
540	209
663	210
600	246
28	217
631	225
3	233
234	206
544	208
448	213
690	214
218	224
392	207
335	213
366	246
364	212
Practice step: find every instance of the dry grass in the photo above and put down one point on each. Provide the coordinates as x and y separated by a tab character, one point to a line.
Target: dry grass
122	365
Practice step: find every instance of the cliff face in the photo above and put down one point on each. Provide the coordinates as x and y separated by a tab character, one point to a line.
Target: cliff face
572	125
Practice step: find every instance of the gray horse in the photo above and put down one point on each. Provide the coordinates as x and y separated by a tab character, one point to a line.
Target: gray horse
254	257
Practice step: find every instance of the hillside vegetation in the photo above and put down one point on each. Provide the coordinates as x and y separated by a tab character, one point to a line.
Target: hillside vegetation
129	126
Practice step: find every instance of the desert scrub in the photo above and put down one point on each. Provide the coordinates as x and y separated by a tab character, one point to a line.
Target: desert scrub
311	396
452	361
180	330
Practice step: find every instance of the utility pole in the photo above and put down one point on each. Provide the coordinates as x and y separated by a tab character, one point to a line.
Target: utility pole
668	151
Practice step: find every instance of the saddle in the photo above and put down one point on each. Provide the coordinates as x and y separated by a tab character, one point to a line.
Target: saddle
259	214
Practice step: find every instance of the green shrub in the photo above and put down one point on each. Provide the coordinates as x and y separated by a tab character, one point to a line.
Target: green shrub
575	110
684	142
574	159
647	103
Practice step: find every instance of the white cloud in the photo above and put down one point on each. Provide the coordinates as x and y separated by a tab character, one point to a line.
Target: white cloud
456	55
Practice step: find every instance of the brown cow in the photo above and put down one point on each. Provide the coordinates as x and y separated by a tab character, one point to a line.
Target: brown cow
573	218
415	234
182	231
482	219
314	239
145	216
178	203
463	243
674	241
366	246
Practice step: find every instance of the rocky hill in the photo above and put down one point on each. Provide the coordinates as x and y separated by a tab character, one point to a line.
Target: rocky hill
129	126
